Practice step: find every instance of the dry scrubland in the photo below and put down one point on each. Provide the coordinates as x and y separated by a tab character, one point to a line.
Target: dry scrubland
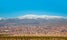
40	30
33	33
33	38
7	37
33	29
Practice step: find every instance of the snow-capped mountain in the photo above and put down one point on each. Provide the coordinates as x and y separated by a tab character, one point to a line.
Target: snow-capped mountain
34	20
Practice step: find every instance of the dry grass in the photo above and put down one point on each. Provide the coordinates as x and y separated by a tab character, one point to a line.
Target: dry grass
7	37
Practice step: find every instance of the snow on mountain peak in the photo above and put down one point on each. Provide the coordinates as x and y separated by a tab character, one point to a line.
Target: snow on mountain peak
0	18
39	16
31	16
3	18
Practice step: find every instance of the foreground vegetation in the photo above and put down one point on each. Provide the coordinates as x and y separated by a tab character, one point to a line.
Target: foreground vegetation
32	38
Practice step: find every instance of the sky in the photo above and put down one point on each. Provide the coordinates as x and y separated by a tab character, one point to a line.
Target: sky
14	8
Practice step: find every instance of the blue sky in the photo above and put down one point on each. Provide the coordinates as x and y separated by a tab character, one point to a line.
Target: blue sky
14	8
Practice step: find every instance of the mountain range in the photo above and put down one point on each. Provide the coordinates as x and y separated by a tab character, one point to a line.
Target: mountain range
34	24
